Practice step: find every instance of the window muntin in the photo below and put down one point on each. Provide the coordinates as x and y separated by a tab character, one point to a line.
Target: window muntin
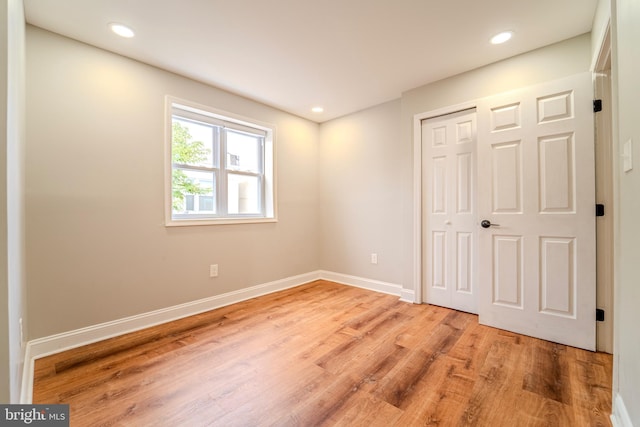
220	169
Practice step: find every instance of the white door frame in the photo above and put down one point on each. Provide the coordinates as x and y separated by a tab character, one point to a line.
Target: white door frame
606	226
417	190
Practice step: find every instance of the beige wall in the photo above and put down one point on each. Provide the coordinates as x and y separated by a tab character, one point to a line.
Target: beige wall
552	62
12	282
361	158
97	247
626	82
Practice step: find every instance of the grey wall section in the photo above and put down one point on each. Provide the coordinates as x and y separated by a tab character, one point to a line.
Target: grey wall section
12	260
549	63
361	158
626	82
97	247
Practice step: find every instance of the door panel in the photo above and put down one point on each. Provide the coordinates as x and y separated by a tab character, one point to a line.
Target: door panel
557	278
439	190
439	264
464	262
536	185
506	177
507	261
449	213
465	183
557	186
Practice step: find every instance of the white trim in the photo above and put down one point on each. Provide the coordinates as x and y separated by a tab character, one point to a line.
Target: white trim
189	222
619	415
418	296
604	52
603	48
47	346
417	208
605	185
26	388
408	295
359	282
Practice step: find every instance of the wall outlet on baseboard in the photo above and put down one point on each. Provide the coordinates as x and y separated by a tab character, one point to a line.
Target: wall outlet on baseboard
213	270
374	258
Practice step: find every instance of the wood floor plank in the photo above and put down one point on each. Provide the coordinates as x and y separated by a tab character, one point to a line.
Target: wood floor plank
549	358
452	390
325	354
400	385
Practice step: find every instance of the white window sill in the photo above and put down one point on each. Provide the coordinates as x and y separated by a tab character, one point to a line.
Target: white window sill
221	221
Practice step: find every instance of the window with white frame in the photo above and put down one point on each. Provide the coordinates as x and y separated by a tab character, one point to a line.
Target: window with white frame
220	167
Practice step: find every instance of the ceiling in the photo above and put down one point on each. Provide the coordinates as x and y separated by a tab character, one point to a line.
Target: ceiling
345	55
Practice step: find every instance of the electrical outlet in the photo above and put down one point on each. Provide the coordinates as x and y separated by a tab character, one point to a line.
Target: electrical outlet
374	258
213	270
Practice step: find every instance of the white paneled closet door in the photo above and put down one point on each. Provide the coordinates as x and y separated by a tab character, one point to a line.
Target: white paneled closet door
449	211
536	258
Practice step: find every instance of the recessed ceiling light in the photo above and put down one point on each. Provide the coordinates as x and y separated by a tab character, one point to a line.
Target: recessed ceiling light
122	30
502	37
317	109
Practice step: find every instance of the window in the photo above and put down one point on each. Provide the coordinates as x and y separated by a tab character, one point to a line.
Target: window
220	168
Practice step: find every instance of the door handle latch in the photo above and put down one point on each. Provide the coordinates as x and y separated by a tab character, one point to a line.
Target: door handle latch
485	223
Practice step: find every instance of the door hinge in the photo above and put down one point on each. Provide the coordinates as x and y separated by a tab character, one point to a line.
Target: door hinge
599	315
597	105
599	209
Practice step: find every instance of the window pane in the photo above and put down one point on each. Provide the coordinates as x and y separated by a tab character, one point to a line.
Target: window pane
243	194
206	203
186	184
243	152
192	143
189	202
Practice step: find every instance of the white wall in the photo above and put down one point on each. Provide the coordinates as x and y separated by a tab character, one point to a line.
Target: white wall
552	62
361	159
626	84
12	283
97	248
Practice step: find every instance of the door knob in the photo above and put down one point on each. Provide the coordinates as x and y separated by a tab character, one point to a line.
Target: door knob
485	223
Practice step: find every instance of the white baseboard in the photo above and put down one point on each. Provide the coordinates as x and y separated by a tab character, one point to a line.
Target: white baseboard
46	346
26	387
408	295
359	282
619	415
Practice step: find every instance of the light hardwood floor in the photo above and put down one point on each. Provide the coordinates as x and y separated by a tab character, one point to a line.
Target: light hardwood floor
328	354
